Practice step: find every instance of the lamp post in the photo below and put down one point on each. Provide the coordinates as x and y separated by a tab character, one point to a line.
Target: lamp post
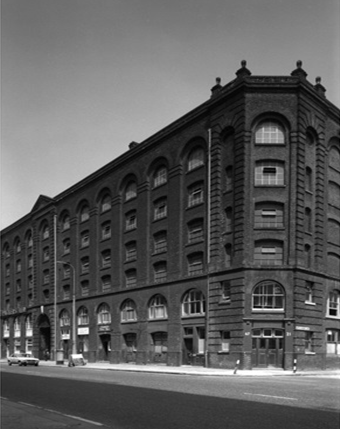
73	337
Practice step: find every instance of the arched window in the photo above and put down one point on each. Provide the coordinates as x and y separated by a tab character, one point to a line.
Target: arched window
128	311
17	327
268	295
17	245
105	204
130	191
158	307
196	158
6	328
28	326
193	303
64	319
45	231
84	213
6	251
160	176
269	132
103	315
65	222
83	316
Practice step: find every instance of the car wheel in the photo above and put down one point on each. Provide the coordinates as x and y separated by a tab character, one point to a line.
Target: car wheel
9	363
25	363
37	364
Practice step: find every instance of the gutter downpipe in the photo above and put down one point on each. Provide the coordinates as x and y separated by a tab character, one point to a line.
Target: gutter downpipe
207	315
55	287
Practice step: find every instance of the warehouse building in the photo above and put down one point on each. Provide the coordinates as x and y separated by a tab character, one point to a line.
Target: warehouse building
215	240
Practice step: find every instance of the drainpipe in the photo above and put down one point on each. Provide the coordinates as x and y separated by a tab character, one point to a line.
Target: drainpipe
55	285
207	315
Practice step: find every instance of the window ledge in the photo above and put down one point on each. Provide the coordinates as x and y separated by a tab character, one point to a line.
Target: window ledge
332	317
309	353
269	310
270	186
195	205
310	303
223	353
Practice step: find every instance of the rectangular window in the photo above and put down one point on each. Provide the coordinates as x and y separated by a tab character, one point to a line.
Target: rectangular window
308	342
131	278
130	221
309	291
85	239
66	246
269	173
195	195
67	271
131	251
226	291
160	272
195	265
106	259
225	339
160	209
85	265
160	243
268	254
18	266
195	231
106	231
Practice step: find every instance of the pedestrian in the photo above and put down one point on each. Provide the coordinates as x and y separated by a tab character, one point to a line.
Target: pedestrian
47	354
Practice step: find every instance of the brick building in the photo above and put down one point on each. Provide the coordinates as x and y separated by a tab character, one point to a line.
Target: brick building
216	239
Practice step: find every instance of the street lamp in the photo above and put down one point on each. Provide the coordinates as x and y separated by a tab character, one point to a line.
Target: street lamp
73	338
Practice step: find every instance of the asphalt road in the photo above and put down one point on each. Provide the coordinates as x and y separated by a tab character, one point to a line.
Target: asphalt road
140	401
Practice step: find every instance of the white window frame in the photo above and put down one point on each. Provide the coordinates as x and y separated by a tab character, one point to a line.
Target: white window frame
195	158
160	209
195	194
269	173
270	132
160	177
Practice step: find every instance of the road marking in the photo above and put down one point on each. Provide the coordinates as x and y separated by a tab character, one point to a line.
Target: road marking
62	414
271	396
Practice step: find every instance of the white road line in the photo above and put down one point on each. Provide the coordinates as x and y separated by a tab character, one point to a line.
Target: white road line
271	396
62	414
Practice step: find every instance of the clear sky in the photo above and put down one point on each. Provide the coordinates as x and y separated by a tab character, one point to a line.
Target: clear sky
81	79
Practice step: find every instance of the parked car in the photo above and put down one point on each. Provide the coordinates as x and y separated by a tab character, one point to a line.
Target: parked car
23	359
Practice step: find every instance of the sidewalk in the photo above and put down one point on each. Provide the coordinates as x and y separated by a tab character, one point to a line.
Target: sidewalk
19	415
195	370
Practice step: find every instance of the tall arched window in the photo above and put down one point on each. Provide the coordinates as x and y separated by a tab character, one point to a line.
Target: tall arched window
130	191
268	295
28	326
83	316
105	203
45	231
158	307
160	176
269	132
103	315
128	311
84	213
65	222
196	158
193	303
6	251
64	319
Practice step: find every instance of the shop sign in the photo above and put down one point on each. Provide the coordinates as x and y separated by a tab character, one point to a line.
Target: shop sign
83	331
65	336
302	328
104	328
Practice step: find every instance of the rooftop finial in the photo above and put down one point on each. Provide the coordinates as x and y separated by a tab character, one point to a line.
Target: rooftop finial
321	90
299	71
216	88
243	71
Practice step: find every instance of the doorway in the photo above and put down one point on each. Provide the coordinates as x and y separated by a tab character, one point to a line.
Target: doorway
105	348
44	329
267	348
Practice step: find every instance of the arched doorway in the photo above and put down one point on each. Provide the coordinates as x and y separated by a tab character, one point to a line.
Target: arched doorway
44	329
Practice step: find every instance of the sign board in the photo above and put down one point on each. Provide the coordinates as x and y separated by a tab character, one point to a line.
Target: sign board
83	331
65	336
302	328
76	360
104	328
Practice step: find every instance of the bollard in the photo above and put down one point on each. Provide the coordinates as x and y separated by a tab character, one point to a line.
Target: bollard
236	366
294	366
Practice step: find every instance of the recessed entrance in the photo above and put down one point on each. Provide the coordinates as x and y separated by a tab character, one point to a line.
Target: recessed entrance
44	328
267	348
